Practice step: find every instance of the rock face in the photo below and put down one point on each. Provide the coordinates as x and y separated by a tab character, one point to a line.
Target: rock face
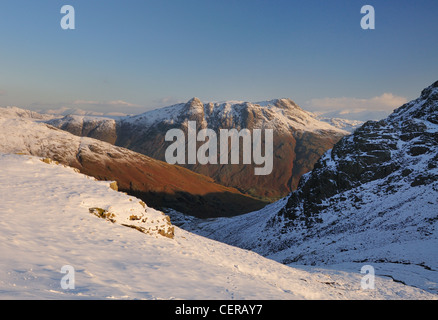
299	139
157	183
402	147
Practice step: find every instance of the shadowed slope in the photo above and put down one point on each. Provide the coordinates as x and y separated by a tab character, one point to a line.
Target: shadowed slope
157	183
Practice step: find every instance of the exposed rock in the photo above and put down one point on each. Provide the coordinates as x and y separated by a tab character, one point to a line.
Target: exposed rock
380	150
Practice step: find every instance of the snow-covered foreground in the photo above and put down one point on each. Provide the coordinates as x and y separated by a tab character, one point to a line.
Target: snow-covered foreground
46	223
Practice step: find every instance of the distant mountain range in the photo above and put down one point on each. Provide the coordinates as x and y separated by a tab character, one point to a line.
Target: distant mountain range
299	138
355	115
340	123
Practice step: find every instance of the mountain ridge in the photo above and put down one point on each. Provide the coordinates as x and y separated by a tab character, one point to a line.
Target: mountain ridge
298	136
156	182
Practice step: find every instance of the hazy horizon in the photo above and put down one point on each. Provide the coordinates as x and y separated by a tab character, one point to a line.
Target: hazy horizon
130	58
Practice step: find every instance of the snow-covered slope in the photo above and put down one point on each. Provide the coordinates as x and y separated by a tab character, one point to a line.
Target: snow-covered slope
15	112
156	182
46	223
372	199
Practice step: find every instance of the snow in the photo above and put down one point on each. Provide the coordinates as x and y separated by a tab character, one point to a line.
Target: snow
66	111
24	136
52	216
157	115
390	222
344	124
102	124
386	233
81	119
15	112
395	231
269	115
46	224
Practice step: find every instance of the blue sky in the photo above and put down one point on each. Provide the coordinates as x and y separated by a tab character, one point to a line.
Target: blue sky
134	55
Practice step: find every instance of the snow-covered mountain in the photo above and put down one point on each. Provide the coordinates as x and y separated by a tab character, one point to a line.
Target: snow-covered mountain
372	199
65	111
15	112
100	128
279	114
50	219
344	124
156	182
354	115
299	138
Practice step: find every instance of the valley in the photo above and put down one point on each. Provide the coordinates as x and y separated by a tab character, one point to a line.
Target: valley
370	200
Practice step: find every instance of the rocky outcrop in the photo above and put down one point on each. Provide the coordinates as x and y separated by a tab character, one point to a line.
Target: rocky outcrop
390	150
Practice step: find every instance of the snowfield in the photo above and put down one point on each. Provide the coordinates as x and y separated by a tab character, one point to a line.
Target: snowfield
52	216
